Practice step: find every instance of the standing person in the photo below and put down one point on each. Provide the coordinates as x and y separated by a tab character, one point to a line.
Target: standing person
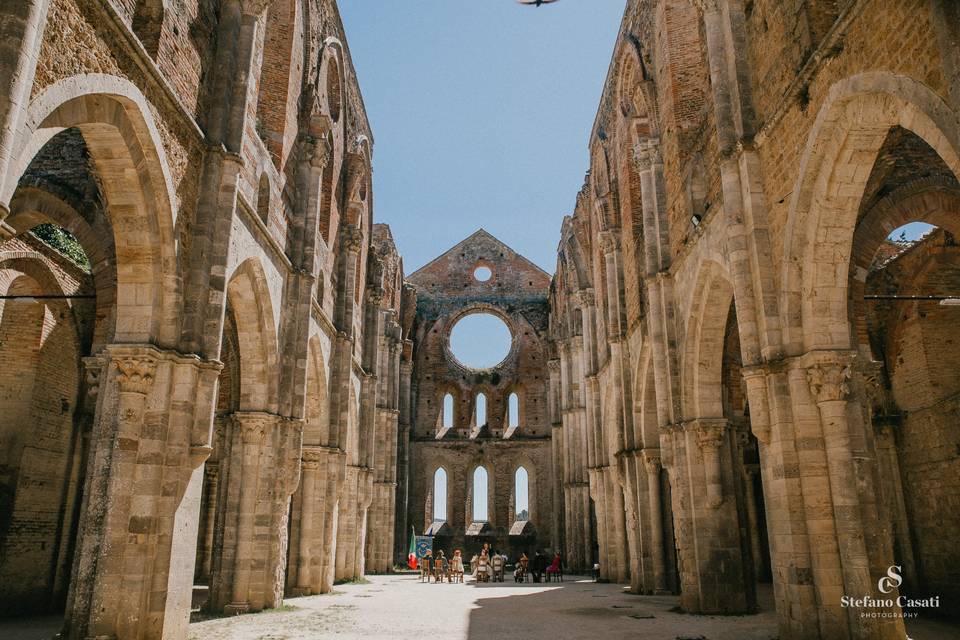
537	566
456	567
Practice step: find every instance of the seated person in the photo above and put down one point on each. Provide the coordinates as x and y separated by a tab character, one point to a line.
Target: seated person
456	565
554	570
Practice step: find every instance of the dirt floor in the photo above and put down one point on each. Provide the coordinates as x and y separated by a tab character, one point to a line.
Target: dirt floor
402	608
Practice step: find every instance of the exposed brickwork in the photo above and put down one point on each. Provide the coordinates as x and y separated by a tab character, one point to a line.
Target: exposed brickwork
758	155
516	291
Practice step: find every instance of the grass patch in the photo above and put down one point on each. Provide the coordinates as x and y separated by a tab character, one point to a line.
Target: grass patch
357	580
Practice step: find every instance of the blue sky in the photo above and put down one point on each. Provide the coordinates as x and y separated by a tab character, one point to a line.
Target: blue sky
481	113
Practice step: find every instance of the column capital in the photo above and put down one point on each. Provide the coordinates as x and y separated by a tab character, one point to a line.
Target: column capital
135	371
312	457
351	238
254	425
646	153
92	372
584	298
829	381
709	431
652	462
609	241
375	295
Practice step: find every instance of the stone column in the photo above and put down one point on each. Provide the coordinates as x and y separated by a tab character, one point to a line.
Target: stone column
225	125
710	437
212	476
262	459
137	543
651	462
889	459
403	457
309	479
715	579
753	520
22	23
828	376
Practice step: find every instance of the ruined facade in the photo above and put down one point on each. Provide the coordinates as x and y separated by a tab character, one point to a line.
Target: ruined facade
449	434
204	401
745	392
220	386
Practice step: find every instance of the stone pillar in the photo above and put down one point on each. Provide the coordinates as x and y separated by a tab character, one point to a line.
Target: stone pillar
889	461
715	579
225	125
261	469
22	23
336	477
828	376
134	568
753	520
651	463
402	526
310	478
212	477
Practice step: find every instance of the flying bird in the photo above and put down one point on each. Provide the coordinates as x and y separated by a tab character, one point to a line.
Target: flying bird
535	3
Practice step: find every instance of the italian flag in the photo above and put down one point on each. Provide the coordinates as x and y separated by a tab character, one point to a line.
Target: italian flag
412	553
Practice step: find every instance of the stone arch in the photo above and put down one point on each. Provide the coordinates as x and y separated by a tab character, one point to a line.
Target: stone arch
635	98
533	487
445	421
923	200
33	206
264	191
703	343
248	298
148	24
316	430
119	131
41	456
514	391
279	97
645	421
431	510
470	487
841	149
331	88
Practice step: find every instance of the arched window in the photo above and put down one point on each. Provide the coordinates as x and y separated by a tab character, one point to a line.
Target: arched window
480	495
513	410
263	199
440	495
481	409
447	411
521	492
148	23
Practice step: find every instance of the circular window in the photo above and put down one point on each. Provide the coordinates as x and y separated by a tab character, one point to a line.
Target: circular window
482	274
333	91
480	340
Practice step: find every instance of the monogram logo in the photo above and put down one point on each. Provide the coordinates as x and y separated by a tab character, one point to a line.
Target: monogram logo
891	581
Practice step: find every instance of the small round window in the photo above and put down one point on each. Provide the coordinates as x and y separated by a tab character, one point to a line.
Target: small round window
480	340
482	274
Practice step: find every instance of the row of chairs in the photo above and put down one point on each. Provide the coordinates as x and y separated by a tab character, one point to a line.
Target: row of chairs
437	571
487	566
